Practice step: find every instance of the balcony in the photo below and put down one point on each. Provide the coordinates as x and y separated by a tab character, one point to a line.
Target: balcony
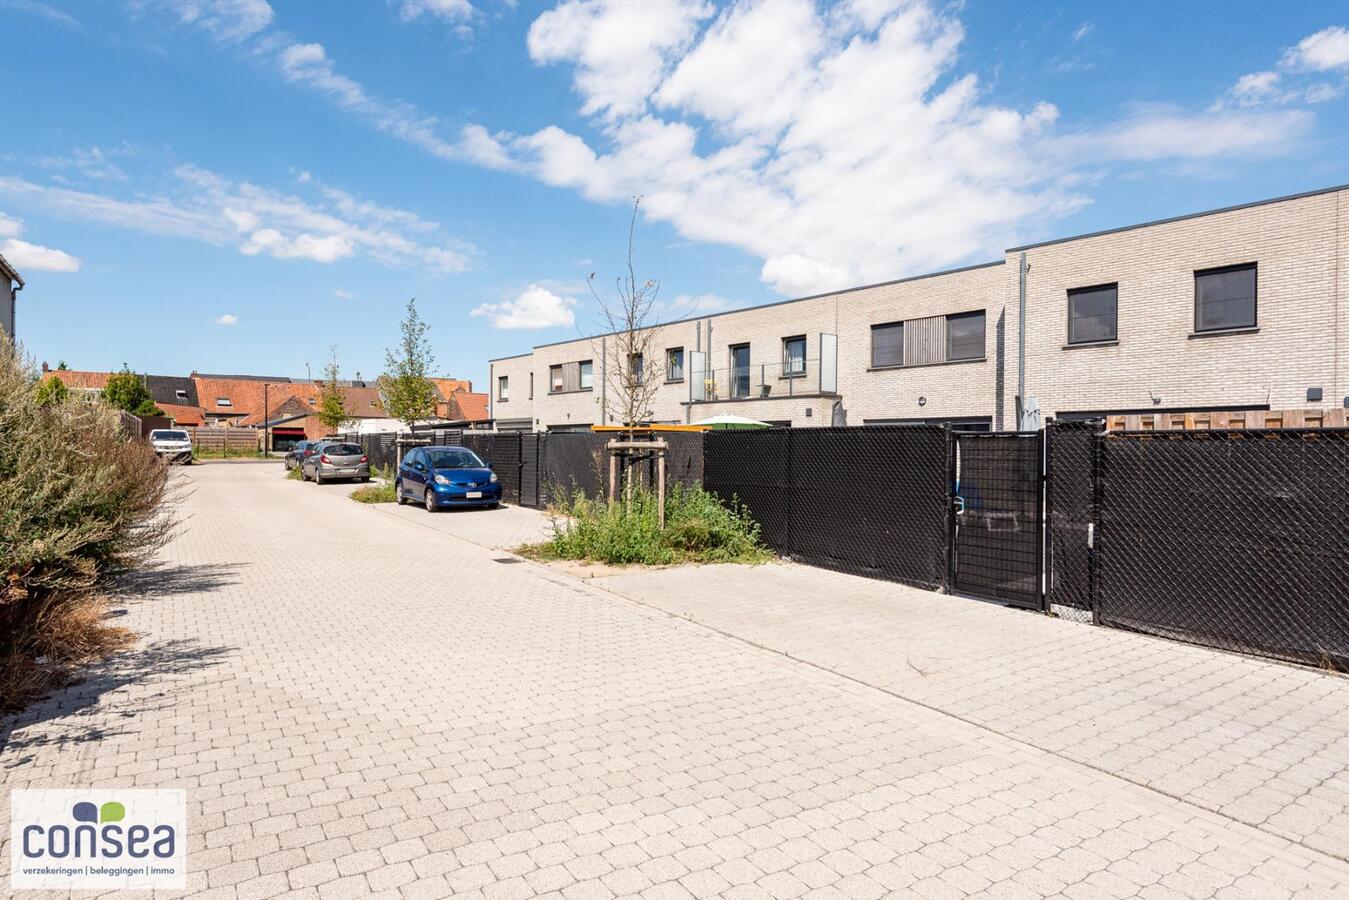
813	376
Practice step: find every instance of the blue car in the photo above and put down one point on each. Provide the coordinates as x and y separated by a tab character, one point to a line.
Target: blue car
437	477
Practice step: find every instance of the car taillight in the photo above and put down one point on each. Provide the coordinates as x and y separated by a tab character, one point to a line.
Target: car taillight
365	459
325	460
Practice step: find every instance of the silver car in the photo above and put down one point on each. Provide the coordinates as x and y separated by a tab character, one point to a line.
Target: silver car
335	459
172	445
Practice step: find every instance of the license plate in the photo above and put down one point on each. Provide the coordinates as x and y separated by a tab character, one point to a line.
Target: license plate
347	471
473	495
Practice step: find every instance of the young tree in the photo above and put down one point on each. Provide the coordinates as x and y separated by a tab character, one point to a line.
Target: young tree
409	395
632	372
331	410
126	390
51	391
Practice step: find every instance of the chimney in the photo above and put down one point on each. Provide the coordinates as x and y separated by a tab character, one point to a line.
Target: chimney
45	367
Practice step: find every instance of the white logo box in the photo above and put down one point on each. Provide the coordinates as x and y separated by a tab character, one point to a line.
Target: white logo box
97	839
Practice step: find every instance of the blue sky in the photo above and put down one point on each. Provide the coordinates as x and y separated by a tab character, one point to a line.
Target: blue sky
237	185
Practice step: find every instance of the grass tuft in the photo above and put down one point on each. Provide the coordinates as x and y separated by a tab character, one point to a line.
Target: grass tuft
699	529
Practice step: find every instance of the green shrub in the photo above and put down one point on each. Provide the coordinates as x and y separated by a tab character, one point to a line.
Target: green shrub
78	505
698	528
295	474
374	493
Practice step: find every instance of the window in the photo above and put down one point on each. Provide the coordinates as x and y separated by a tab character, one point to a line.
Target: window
180	394
674	364
587	374
887	345
554	379
794	356
740	370
313	402
531	385
503	388
1093	314
965	336
223	401
635	362
1224	298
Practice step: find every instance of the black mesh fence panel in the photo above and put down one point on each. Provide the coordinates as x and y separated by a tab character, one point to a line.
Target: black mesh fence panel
1234	539
575	463
872	501
998	535
752	468
1070	447
531	450
502	451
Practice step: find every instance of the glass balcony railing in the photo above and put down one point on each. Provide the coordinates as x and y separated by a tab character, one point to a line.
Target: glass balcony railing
756	381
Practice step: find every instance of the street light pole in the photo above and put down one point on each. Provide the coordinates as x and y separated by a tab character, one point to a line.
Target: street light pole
266	421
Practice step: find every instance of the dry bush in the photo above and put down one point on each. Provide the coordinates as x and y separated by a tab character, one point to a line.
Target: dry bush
79	504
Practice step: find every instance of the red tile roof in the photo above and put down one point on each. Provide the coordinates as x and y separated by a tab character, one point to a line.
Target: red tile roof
469	407
184	415
82	380
448	386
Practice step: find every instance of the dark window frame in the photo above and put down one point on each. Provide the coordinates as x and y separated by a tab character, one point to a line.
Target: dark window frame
503	389
580	371
1255	297
983	350
889	365
1069	310
556	385
749	369
805	349
669	353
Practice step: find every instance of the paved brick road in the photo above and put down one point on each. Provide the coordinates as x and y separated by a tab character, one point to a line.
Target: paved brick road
359	702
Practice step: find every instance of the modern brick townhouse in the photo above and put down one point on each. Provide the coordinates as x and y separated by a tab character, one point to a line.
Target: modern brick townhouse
1243	308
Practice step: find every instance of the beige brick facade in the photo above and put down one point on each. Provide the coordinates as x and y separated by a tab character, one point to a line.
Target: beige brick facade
1158	362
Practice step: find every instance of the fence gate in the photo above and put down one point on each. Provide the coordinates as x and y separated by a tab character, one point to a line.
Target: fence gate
530	451
997	541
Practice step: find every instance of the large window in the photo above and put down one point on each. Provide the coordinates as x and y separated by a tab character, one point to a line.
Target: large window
554	379
794	356
1093	314
503	388
740	370
674	364
1224	298
887	345
635	364
586	377
965	336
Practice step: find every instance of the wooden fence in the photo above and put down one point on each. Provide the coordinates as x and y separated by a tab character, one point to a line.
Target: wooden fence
216	438
1206	421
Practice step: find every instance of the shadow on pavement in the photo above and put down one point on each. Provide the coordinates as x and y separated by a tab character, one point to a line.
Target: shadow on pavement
167	580
66	711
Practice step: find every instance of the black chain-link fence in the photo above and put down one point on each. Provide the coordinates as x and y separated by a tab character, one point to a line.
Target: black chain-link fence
873	501
500	450
1234	539
1071	468
998	538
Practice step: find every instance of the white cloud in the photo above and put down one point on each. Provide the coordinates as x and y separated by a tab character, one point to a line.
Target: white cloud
227	319
96	163
45	10
447	10
342	294
228	21
31	257
620	49
195	203
35	257
534	307
1317	55
686	305
1083	30
1325	51
840	146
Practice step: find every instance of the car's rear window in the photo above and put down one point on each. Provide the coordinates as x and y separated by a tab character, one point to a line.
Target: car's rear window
168	435
343	450
454	459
